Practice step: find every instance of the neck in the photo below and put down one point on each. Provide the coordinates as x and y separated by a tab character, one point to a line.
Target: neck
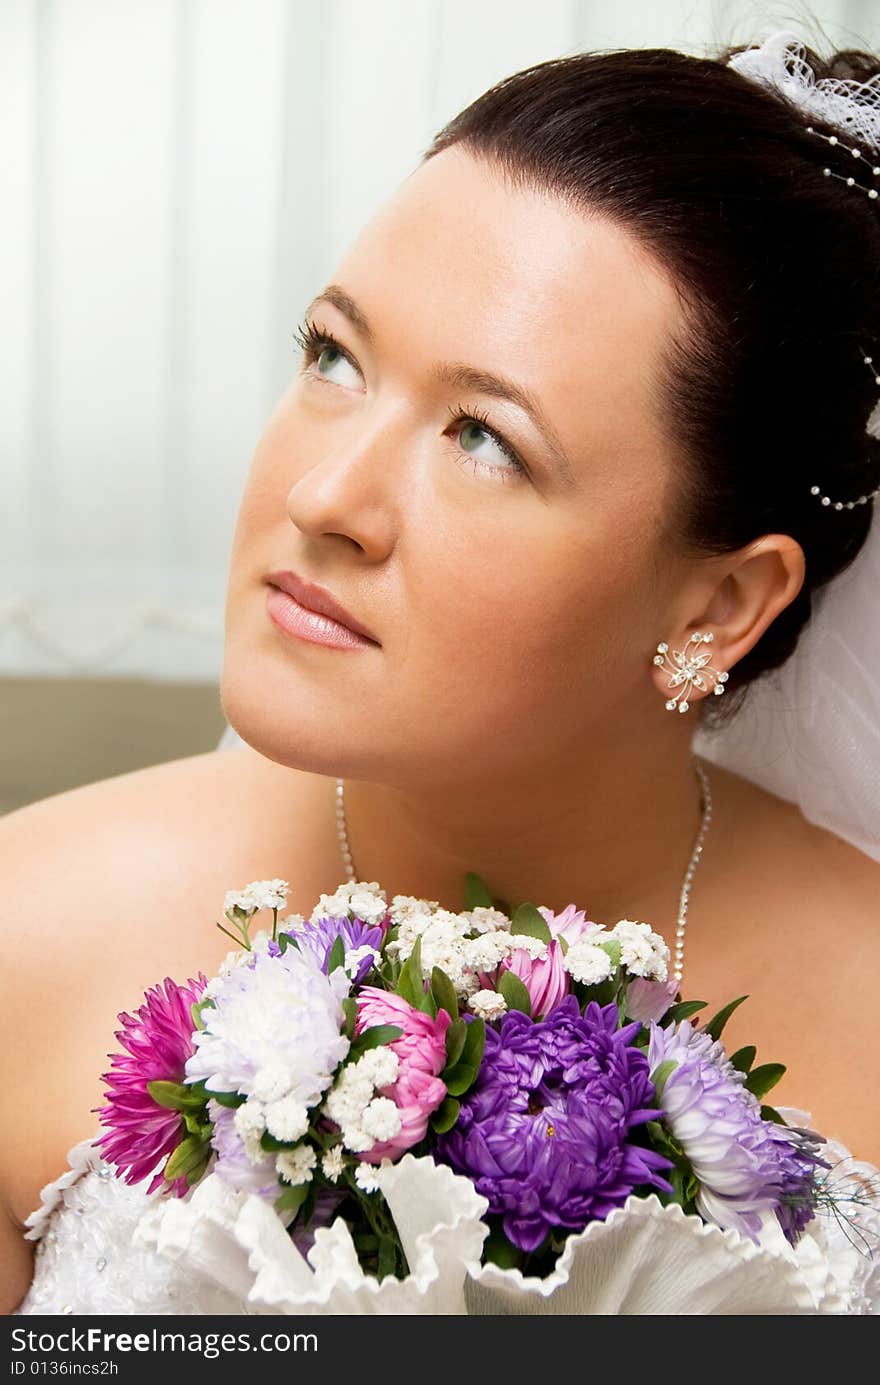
615	842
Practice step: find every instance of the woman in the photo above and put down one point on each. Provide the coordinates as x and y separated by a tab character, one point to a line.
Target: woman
561	408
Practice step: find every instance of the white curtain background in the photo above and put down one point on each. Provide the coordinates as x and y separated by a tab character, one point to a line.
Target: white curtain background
179	177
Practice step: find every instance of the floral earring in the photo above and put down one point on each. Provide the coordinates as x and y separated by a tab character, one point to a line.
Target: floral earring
691	668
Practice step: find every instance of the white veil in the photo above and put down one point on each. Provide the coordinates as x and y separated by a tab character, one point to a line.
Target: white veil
809	732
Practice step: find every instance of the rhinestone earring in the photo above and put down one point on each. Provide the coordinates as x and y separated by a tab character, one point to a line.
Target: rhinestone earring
691	668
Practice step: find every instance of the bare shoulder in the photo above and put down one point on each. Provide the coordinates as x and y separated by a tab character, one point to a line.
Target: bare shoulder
793	921
107	889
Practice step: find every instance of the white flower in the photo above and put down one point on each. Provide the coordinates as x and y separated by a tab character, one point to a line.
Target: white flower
642	951
287	1119
380	1064
276	1012
333	1163
484	919
250	1122
354	958
535	947
295	1165
403	907
238	899
588	963
365	1177
271	1082
381	1119
353	1105
259	894
488	1005
291	923
363	900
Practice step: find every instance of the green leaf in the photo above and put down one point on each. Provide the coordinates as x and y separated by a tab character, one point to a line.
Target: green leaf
198	1172
612	947
446	1115
350	1008
497	1250
761	1079
272	1146
683	1011
176	1096
769	1113
336	957
285	941
661	1073
528	920
186	1157
475	1042
227	1098
476	892
196	1010
387	1262
455	1040
717	1022
459	1078
292	1199
196	1126
444	992
515	993
743	1059
410	984
374	1037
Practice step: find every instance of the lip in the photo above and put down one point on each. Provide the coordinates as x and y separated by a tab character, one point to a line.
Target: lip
318	601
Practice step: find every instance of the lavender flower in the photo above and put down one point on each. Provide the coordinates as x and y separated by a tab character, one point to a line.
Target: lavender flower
745	1166
318	937
273	1033
544	1132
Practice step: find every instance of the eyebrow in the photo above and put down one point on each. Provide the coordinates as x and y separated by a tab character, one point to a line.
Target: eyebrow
461	376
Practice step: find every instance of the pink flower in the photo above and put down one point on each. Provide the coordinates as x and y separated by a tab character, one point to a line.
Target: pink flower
649	1000
572	924
158	1040
545	978
421	1051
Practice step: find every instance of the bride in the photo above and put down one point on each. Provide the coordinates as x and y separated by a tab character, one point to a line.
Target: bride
577	393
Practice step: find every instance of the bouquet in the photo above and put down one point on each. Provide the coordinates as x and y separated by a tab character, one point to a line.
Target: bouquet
398	1108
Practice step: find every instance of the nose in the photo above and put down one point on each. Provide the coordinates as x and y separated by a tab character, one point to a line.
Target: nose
354	487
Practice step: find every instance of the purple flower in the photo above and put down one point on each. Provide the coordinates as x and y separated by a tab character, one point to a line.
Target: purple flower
158	1039
745	1166
233	1167
543	1133
318	939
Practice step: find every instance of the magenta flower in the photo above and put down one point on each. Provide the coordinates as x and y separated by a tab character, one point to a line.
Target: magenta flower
157	1040
421	1050
545	978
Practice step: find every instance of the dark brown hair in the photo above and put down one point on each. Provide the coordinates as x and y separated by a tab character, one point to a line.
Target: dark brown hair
764	392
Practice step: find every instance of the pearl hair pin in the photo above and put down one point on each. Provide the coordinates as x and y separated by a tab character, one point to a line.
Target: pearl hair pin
873	194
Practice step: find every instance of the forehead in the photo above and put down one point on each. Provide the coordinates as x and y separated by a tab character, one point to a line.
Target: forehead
460	265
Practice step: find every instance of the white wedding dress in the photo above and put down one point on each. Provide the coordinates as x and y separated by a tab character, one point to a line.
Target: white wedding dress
89	1261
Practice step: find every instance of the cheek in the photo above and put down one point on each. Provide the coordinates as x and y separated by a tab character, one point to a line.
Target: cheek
546	603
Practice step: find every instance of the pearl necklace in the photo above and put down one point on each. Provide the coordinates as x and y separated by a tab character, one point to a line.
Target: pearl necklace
706	800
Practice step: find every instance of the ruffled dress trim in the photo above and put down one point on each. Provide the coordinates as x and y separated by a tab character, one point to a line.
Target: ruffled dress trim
81	1159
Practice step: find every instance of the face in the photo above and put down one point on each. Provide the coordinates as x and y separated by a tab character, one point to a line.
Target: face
508	562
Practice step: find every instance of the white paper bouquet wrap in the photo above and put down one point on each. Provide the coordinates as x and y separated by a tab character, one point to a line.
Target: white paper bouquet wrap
649	1259
237	1240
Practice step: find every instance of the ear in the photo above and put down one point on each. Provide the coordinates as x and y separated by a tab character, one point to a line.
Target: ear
733	598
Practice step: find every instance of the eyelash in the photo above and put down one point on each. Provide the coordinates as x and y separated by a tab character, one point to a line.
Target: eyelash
312	340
